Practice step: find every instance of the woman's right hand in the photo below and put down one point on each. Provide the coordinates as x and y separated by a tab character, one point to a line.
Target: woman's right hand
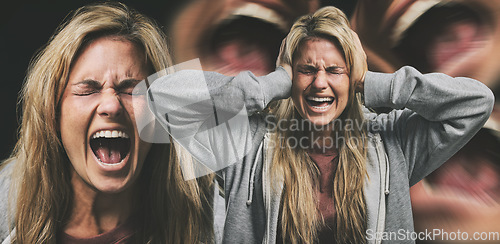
283	61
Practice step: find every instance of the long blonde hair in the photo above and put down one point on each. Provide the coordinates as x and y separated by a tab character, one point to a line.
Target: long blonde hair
172	210
300	220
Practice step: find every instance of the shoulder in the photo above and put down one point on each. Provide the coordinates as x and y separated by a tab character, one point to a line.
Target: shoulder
382	122
6	170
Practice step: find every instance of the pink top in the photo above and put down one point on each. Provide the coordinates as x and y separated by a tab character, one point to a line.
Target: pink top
122	234
327	165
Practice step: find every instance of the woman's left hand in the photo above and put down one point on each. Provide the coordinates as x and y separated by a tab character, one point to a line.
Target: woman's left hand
361	81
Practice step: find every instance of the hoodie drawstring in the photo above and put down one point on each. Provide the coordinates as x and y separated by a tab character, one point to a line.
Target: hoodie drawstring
251	184
386	189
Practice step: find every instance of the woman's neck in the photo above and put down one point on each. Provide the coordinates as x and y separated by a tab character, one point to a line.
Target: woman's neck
322	139
95	212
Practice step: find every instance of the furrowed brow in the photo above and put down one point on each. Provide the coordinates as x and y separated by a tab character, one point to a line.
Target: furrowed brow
308	67
127	83
89	83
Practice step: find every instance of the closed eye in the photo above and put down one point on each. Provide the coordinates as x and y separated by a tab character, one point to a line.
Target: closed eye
84	93
336	70
86	88
307	70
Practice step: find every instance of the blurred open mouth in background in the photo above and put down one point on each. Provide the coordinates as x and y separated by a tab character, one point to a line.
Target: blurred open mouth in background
243	42
232	36
453	37
436	35
464	193
456	37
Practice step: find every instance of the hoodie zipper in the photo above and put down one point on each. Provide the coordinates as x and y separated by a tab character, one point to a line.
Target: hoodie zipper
384	184
265	186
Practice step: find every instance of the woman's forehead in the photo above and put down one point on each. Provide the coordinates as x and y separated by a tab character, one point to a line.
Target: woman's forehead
318	47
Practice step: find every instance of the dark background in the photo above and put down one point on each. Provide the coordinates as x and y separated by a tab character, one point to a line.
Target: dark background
26	26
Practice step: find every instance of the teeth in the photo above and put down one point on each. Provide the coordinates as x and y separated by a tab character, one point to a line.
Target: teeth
257	11
110	134
320	99
321	108
415	11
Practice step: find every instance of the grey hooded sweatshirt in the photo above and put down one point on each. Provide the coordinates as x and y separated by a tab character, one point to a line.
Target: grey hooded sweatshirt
433	116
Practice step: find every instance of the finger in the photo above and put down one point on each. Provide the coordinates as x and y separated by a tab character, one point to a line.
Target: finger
280	59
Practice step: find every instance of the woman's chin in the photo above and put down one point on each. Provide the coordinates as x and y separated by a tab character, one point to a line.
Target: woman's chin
320	122
110	185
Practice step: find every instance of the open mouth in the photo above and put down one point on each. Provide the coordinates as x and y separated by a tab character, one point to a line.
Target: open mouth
248	39
434	36
110	146
479	186
473	174
320	103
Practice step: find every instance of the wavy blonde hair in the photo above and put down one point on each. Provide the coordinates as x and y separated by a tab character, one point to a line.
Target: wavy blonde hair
300	220
172	210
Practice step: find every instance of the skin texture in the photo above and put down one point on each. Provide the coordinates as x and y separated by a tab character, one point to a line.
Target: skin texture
320	71
98	97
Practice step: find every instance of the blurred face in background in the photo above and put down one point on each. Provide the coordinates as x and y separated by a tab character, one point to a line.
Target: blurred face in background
458	38
464	193
230	36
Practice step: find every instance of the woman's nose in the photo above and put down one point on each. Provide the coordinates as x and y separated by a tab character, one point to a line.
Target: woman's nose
110	105
320	81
